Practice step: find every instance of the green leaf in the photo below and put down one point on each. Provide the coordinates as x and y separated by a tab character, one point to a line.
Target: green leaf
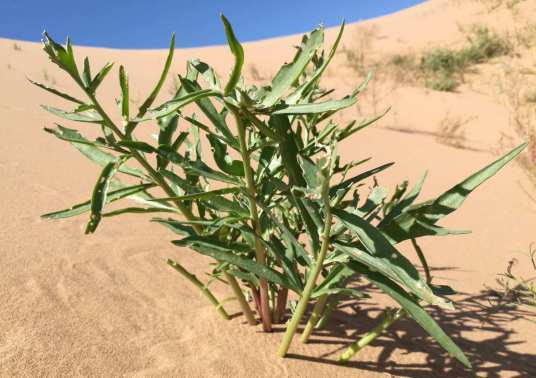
385	258
336	278
72	135
137	145
207	72
349	131
90	150
168	126
319	107
397	209
137	210
86	206
210	112
56	92
152	96
453	198
176	104
100	192
228	253
61	56
414	310
89	115
86	74
288	149
308	85
123	83
289	73
177	227
99	77
419	220
198	167
238	52
222	158
360	177
201	195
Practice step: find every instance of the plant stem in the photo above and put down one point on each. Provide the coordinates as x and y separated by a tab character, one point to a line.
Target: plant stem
281	305
327	312
318	309
313	276
389	317
193	279
260	253
240	297
423	260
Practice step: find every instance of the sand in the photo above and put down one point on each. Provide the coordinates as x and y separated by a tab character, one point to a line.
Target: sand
107	304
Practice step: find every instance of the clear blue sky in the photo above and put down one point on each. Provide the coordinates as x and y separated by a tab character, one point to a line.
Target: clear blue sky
148	24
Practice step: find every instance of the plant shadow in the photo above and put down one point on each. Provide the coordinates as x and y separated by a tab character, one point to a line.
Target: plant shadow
490	352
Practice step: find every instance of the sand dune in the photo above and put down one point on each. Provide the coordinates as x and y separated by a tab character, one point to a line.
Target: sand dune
107	304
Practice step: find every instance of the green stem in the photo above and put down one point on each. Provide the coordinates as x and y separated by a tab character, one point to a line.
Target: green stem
206	292
318	309
389	317
313	276
240	297
260	253
327	312
423	260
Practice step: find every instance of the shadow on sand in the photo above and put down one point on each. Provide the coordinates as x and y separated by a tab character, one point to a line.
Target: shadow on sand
491	356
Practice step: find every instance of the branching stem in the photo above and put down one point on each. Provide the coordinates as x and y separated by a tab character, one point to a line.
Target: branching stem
313	276
318	309
240	298
260	253
206	292
389	317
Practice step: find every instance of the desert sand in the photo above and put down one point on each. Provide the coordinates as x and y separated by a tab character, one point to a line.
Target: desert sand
108	305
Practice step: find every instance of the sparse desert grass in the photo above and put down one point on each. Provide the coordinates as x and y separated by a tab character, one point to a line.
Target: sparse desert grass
48	78
356	56
519	101
451	131
443	69
516	289
280	213
254	72
16	47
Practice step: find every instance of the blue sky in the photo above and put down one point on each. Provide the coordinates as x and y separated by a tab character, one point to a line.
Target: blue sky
148	24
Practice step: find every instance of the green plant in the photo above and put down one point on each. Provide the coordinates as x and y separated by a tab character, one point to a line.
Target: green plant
483	46
280	212
440	67
443	69
516	289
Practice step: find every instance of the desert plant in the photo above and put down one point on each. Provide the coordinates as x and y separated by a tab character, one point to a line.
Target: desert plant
443	68
277	210
516	289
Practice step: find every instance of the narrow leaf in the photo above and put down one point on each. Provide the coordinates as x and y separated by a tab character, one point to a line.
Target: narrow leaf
238	52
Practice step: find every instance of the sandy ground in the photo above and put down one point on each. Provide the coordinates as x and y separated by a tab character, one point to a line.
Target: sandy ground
107	304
